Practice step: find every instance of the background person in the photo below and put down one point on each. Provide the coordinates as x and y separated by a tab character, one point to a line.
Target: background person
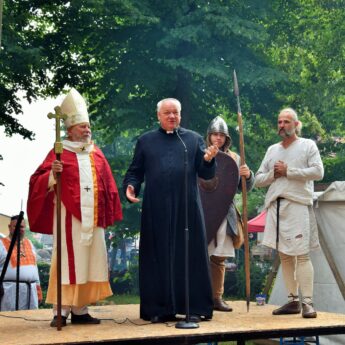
30	293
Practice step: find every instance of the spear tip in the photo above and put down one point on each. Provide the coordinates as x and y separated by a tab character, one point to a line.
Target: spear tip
236	90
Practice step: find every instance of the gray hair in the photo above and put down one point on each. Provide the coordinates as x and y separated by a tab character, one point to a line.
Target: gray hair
294	115
174	100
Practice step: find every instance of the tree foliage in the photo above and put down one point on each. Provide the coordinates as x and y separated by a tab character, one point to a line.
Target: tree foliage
308	45
125	55
22	63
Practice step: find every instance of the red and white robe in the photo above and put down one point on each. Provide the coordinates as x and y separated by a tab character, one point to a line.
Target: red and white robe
89	203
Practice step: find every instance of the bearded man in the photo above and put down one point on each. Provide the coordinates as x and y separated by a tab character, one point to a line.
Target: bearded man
289	169
89	203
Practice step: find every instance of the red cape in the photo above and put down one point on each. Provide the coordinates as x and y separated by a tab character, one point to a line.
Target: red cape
40	206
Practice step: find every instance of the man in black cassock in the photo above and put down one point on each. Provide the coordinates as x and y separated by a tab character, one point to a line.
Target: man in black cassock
159	161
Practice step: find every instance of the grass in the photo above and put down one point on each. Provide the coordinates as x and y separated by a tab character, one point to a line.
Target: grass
122	299
125	299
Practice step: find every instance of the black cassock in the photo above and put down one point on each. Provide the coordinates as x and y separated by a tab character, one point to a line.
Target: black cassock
159	161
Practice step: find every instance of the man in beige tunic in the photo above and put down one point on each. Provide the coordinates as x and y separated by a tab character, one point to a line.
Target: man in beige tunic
289	169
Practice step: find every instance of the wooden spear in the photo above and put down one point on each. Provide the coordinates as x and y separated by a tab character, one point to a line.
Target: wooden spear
1	10
244	193
58	149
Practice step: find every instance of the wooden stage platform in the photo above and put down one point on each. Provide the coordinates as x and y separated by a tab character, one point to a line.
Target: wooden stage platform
122	326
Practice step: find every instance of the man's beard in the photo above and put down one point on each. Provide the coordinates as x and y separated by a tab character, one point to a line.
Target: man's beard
286	134
85	140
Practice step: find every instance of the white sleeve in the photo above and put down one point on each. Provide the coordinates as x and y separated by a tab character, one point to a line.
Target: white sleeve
313	172
264	176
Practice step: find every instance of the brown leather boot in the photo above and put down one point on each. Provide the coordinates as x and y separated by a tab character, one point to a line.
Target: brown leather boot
308	311
292	307
220	305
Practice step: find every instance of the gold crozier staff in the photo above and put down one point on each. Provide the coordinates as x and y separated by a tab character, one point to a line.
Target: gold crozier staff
58	149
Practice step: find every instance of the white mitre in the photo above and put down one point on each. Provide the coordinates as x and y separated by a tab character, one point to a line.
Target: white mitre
74	106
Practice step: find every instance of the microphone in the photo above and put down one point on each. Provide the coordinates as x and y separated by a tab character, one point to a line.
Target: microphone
176	130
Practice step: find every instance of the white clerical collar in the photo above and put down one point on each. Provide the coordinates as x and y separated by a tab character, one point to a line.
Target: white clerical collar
78	147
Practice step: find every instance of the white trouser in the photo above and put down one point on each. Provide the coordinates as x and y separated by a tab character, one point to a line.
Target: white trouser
298	272
66	309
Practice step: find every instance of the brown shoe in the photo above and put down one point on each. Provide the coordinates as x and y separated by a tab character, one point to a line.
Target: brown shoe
292	307
220	305
53	322
308	311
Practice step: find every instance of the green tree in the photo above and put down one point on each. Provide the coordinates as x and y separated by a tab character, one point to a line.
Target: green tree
33	62
187	51
308	45
125	55
22	63
135	53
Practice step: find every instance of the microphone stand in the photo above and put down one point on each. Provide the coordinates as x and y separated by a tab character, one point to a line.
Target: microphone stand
18	265
186	324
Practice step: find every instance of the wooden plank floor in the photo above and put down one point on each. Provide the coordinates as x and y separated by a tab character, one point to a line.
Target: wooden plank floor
127	328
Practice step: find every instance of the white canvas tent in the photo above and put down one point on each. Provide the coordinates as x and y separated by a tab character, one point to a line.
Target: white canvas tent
329	261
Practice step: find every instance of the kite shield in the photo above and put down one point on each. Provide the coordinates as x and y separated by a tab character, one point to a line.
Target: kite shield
218	193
